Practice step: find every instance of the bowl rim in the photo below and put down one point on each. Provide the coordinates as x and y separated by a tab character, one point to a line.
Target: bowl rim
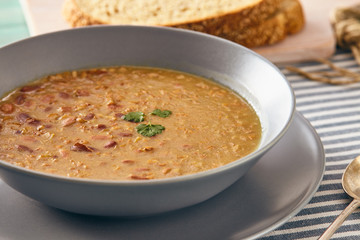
178	179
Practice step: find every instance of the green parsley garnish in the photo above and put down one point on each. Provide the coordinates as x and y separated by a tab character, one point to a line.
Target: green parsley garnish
134	117
149	130
160	113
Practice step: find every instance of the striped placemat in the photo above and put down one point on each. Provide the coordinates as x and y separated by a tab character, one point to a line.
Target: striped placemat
334	111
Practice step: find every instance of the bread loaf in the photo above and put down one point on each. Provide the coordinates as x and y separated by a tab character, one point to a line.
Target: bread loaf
247	22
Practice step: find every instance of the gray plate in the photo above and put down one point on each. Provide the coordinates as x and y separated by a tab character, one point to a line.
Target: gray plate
276	189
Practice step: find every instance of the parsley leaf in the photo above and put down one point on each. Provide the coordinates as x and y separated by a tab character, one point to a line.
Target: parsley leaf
134	117
160	113
149	130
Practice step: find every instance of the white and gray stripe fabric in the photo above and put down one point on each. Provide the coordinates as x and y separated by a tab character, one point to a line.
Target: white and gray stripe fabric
334	111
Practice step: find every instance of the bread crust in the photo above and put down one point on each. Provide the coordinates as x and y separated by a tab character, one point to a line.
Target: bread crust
256	25
287	21
227	23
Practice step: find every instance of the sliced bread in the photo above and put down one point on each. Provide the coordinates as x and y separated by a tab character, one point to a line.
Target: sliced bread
167	13
288	19
248	22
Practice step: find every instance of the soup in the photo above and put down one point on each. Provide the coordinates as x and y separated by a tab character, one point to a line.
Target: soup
125	123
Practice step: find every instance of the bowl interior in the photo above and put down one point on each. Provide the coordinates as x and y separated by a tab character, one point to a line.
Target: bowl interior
228	63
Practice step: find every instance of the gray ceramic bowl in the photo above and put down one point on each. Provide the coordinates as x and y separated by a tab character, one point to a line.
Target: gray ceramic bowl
232	65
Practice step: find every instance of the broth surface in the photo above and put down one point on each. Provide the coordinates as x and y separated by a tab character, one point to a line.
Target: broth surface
81	124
